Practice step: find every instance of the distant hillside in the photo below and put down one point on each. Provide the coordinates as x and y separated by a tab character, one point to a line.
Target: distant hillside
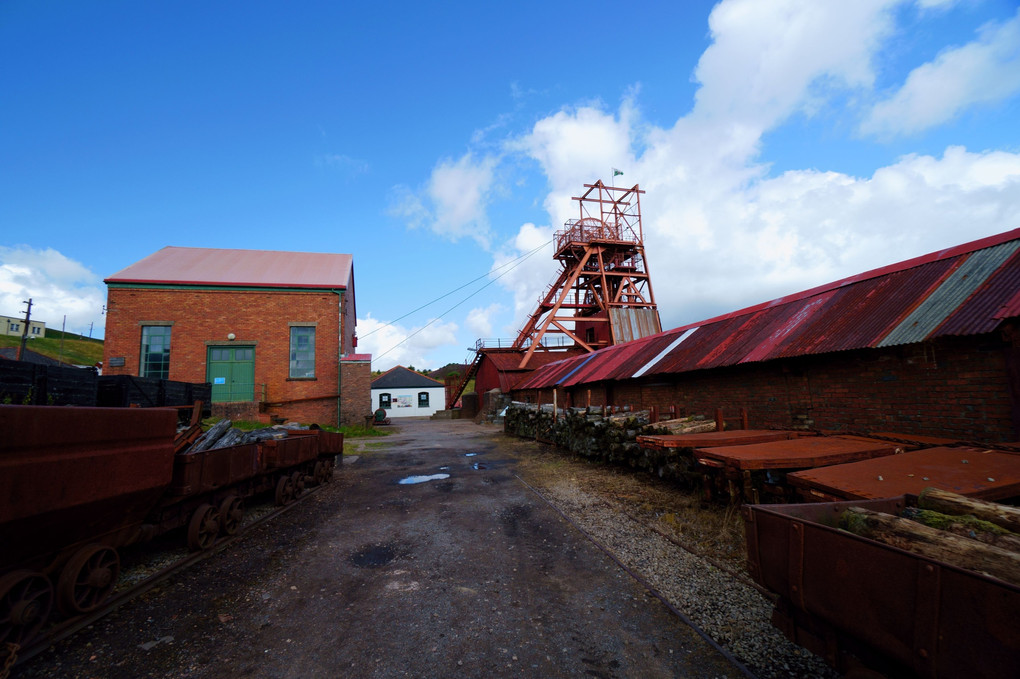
76	350
441	373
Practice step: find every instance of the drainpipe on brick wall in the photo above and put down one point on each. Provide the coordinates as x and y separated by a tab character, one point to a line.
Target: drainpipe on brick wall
339	362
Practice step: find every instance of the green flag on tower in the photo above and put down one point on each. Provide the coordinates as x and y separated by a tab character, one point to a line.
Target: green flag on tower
616	172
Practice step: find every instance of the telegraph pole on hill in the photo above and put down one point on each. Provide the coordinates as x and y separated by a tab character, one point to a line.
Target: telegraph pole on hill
24	333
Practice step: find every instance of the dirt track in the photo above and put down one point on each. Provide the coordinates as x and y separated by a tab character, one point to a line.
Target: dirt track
471	575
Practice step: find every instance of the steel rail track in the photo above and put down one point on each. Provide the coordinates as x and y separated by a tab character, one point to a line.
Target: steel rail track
644	583
64	629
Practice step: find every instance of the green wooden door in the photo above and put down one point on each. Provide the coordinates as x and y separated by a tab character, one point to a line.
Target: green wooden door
231	371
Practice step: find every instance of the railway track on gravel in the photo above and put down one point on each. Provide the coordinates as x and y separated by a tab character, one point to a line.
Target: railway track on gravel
148	565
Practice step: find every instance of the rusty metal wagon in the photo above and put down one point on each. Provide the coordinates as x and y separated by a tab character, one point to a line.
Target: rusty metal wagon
75	484
853	600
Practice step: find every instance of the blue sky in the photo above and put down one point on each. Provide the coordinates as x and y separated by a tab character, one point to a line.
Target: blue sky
781	144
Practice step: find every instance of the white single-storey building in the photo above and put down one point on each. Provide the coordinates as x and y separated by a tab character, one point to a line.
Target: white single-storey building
405	393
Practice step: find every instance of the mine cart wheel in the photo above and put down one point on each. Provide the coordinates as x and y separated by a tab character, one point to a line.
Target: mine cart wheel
26	599
328	466
231	514
298	478
284	490
319	474
87	579
203	528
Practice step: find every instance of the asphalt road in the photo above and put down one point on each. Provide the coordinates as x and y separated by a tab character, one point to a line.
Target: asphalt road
465	575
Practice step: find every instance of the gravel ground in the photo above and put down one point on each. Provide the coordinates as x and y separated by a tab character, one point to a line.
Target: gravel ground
719	600
473	575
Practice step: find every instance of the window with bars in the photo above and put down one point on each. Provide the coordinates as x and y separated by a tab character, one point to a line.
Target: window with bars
423	399
155	355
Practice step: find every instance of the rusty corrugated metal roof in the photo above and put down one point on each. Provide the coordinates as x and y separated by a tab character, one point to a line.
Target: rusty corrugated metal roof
968	289
255	268
981	312
973	271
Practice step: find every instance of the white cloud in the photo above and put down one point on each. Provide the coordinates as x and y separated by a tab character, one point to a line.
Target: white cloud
573	146
422	351
985	71
936	4
806	228
527	279
459	190
57	286
479	320
454	201
765	56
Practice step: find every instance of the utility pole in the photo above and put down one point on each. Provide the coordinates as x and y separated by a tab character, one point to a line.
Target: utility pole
24	333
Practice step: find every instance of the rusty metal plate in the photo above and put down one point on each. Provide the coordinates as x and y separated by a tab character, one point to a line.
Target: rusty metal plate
916	440
330	443
717	438
975	472
799	453
288	452
207	470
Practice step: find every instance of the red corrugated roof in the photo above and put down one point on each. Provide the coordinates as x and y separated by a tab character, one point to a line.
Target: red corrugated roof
854	313
257	268
357	357
981	312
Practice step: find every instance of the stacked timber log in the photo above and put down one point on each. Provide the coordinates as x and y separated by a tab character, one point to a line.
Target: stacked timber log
972	534
610	437
222	434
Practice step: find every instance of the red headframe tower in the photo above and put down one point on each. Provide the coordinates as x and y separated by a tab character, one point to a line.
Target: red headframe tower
601	296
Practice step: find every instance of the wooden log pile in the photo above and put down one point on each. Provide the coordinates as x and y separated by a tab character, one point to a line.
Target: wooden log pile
609	438
972	534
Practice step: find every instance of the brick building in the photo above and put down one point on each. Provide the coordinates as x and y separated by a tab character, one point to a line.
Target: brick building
266	329
929	346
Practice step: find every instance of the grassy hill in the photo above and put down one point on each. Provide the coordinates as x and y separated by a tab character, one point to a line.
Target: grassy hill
76	349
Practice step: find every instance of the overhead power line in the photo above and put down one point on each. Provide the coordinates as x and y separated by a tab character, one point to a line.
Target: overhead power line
521	258
516	262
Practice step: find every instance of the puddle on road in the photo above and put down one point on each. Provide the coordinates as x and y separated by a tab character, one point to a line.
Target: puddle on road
373	556
422	479
443	468
478	465
470	454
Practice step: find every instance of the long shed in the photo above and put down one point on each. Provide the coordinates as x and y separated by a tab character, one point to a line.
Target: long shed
927	346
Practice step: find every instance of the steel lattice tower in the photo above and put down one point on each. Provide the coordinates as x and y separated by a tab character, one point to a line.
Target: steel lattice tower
603	294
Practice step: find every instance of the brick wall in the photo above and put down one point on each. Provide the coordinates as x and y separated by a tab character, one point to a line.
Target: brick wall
203	317
955	388
356	402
